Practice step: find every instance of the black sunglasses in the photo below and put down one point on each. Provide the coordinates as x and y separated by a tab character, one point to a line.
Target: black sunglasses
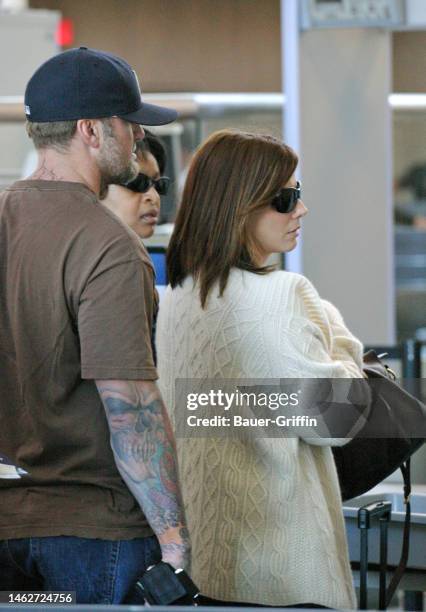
143	183
286	200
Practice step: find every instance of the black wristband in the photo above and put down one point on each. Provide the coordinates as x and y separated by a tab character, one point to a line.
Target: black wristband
162	585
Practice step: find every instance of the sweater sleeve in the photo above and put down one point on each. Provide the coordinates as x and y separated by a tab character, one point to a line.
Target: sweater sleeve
308	341
344	345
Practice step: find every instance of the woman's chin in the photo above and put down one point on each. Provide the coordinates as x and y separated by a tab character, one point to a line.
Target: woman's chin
143	231
147	232
292	244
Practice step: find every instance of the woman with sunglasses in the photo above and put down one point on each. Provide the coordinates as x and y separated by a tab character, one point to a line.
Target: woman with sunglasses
138	203
264	514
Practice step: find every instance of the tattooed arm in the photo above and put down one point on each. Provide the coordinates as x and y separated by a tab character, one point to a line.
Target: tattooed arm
143	445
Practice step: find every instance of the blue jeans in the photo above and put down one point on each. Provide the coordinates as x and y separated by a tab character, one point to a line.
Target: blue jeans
100	571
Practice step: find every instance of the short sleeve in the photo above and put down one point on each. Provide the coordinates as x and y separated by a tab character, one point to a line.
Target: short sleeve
115	318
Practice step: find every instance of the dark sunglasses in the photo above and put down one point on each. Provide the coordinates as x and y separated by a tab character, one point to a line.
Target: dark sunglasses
143	183
286	200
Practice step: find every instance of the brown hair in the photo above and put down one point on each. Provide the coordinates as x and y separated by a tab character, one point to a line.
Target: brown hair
232	175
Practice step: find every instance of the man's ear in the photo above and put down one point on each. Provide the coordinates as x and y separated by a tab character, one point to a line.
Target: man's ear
90	132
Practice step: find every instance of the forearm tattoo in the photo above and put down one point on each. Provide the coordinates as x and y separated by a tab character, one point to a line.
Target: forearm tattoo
180	548
142	440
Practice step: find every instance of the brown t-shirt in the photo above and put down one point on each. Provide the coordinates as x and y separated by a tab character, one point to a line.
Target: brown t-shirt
76	304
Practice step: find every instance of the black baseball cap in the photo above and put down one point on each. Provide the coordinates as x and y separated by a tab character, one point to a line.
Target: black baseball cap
89	84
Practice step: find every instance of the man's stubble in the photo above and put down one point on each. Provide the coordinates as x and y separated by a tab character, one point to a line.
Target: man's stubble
115	167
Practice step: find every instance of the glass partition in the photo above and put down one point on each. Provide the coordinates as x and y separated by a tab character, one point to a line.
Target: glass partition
409	159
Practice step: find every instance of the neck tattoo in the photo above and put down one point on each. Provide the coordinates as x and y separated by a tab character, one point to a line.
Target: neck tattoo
45	174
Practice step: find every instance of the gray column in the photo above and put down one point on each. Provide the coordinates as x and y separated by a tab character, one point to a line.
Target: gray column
346	157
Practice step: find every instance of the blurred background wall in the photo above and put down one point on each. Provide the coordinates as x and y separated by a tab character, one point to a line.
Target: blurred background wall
208	45
184	45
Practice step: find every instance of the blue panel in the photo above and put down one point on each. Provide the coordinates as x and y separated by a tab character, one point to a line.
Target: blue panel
159	261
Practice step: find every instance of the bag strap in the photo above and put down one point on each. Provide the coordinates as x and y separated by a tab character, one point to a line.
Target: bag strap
405	469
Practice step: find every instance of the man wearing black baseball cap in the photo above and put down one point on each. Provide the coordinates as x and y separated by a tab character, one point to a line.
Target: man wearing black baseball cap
91	85
94	497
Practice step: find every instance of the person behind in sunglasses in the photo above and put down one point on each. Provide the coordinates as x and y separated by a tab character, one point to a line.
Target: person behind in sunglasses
138	203
264	513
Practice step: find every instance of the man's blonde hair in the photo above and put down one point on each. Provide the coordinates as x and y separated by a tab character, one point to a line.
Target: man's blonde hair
53	135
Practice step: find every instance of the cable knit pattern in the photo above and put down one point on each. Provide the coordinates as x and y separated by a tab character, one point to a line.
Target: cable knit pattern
264	514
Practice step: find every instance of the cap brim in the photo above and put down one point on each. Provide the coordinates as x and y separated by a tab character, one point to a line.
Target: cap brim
150	114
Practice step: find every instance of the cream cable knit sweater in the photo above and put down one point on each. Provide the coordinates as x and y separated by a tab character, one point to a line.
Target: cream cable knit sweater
264	516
